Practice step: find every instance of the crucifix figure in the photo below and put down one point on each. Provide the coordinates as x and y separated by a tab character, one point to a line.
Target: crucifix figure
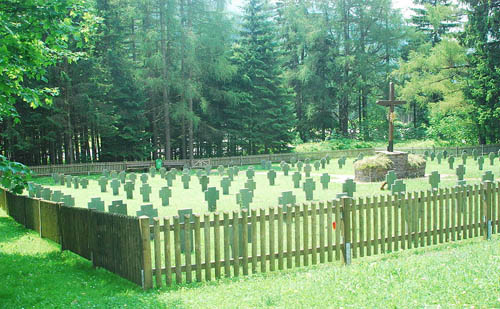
391	103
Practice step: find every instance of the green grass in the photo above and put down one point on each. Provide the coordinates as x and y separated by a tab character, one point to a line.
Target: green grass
350	144
36	274
265	195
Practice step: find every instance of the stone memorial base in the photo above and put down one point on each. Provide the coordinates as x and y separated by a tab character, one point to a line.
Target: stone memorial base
399	165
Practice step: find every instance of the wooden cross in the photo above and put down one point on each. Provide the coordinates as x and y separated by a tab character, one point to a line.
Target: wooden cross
391	103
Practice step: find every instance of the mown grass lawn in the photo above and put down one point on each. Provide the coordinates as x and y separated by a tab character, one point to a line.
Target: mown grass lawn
34	273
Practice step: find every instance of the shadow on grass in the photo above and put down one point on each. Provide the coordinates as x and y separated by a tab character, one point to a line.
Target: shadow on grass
10	230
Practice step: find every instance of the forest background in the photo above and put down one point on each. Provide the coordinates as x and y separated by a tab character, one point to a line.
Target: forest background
111	80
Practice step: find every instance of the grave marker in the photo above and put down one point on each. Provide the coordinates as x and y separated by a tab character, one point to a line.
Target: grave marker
230	173
480	162
309	186
307	160
68	200
307	170
323	162
105	173
461	183
349	187
129	189
170	178
147	210
144	178
76	182
451	160
341	162
165	193
115	186
445	154
204	180
38	191
55	177
271	175
390	177
96	203
132	177
293	161
103	182
113	174
316	165
263	164
145	192
439	157
399	187
68	179
57	196
152	171
31	189
163	171
464	157
269	165
434	179
118	207
341	195
460	171
186	178
208	168
244	198
225	183
250	173
236	171
296	177
327	157
199	173
488	176
491	156
220	170
211	196
122	176
433	155
46	194
325	180
474	154
287	199
250	185
426	154
299	166
84	182
286	169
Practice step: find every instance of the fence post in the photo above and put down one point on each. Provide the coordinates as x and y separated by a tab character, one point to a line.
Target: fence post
487	207
147	267
346	223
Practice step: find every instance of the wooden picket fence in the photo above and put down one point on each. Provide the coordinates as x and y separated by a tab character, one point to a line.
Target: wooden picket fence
276	238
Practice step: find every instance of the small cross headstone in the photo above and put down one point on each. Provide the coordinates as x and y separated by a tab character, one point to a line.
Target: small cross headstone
122	176
451	160
113	174
464	157
165	193
263	164
84	182
398	187
31	189
491	156
149	211
105	173
220	170
296	177
46	193
96	203
129	187
316	165
68	179
38	191
341	162
433	156
488	176
461	183
390	177
309	186
287	199
170	176
323	162
115	186
61	179
474	154
341	195
230	173
208	168
282	163
55	177
250	185
132	177
445	154
103	182
145	192
480	162
426	154
236	171
204	180
307	170
300	164
460	171
307	160
163	171
76	182
225	183
349	187
327	157
211	196
434	179
68	200
286	169
182	219
325	180
186	178
269	165
244	198
250	173
144	178
293	161
118	207
199	173
271	175
57	196
152	171
439	157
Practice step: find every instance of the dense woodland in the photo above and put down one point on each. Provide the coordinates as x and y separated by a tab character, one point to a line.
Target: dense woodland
103	80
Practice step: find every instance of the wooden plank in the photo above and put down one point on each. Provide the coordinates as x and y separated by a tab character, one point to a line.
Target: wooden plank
322	232
305	233
465	213
188	246
254	240
262	231
458	197
217	259
447	214
404	216
244	244
441	215
453	213
346	225
410	220
476	219
470	210
375	207
272	264
354	228
397	208
227	256
482	212
383	235
280	238
390	218
236	244
329	235
428	217
289	229
197	246
314	231
167	248
297	235
361	226
147	267
157	246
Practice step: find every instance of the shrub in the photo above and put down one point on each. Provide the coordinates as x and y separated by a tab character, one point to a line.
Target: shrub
378	162
415	161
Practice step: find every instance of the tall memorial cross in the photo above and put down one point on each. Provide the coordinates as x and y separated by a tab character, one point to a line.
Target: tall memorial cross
391	103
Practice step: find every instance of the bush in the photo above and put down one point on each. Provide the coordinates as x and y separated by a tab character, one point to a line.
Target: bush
378	162
415	161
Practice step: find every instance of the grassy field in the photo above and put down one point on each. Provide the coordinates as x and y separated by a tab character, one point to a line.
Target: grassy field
264	195
463	274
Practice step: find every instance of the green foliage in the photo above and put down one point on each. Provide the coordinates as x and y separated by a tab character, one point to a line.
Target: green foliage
416	161
332	144
378	162
14	175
